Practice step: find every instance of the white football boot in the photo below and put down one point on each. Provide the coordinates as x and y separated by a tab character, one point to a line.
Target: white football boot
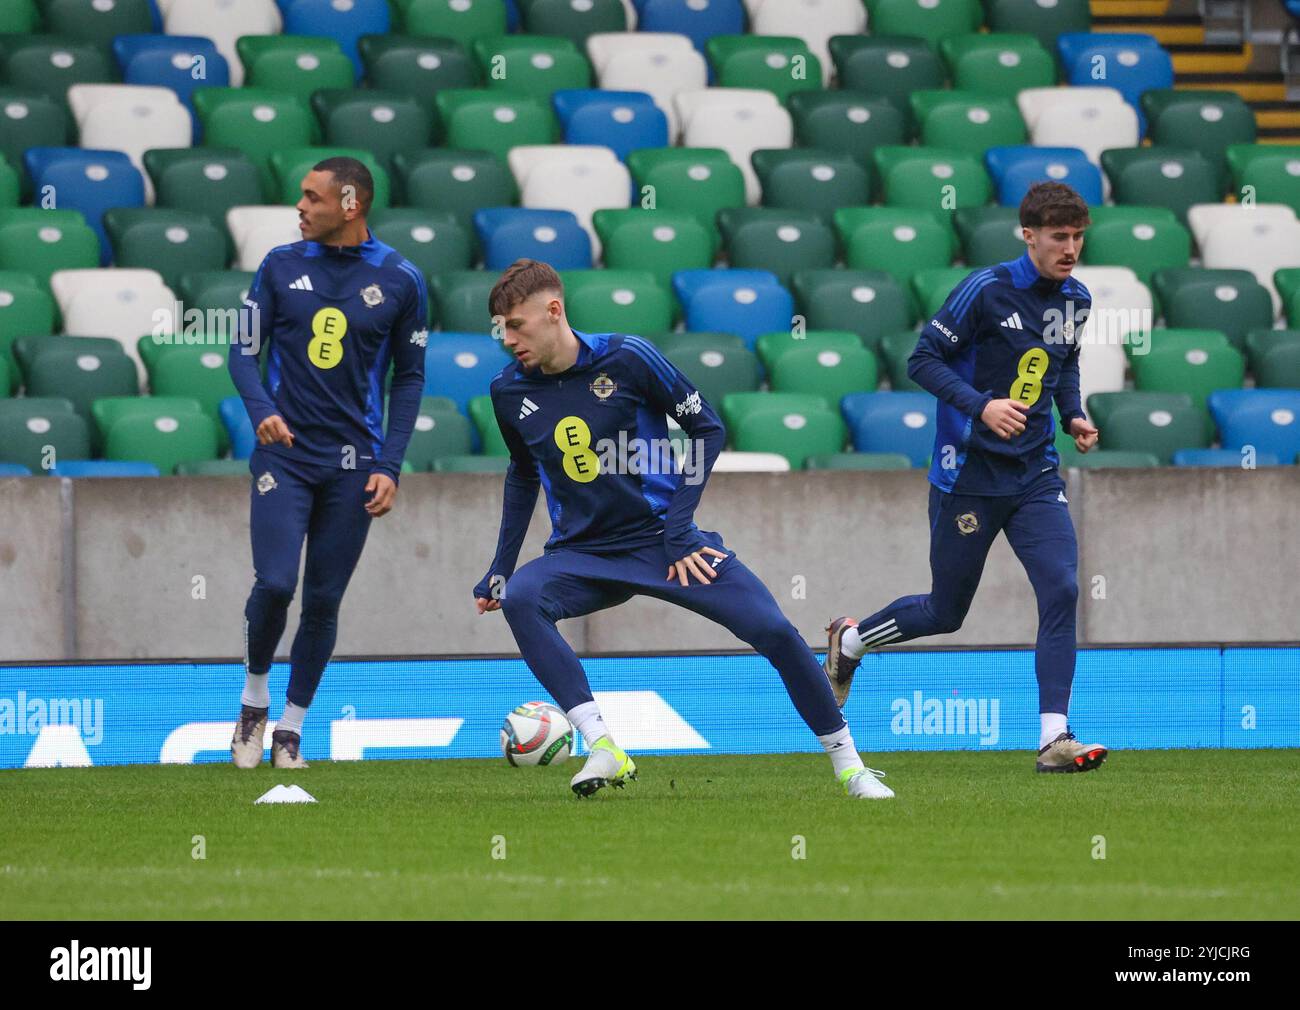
607	765
863	784
249	741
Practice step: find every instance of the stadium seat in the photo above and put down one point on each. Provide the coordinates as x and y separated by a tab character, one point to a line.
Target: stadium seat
1092	119
1191	339
1014	169
79	468
1044	19
213	468
290	166
886	67
1144	245
782	241
700	181
181	63
738	120
484	417
49	65
1170	177
858	461
1122	308
895	239
40	242
471	464
617	301
901	422
815	22
932	287
793	425
297	65
1271	171
257	122
934	179
345	23
744	302
989	235
28	347
1228	300
1131	63
1287	282
460	182
462	365
1249	241
26	308
1209	121
416	67
81	375
715	367
580	180
21	17
809	179
895	350
224	24
573	21
1267	419
1223	458
552	236
657	241
163	439
1112	459
438	432
1161	430
432	240
697	21
870	303
461	20
1274	357
781	65
623	121
831	372
119	303
657	64
383	123
130	118
672	342
848	122
197	372
494	121
1204	219
965	121
257	230
932	20
997	64
87	181
536	65
168	241
34	436
29	118
1197	371
238	427
772	347
204	180
460	299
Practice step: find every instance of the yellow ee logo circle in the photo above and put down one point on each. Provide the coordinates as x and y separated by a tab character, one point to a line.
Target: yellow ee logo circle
328	326
574	439
1028	386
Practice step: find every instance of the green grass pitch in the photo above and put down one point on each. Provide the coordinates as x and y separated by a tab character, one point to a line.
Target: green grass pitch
1187	834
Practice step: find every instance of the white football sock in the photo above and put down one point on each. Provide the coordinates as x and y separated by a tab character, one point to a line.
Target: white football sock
292	718
255	693
586	717
851	644
1053	725
856	644
839	745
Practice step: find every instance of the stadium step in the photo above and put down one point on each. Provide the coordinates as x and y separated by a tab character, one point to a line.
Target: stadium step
1188	30
1212	59
1251	87
1102	9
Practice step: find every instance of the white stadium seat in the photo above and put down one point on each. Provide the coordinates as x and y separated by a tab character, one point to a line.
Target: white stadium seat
1260	244
257	230
122	304
1204	218
738	120
130	118
66	284
1034	103
659	63
730	461
576	178
1121	305
224	21
814	21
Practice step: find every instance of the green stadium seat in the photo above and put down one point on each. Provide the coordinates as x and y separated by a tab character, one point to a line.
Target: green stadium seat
38	437
772	347
890	67
215	289
95	21
1271	170
779	64
535	65
1287	282
1172	177
485	420
198	372
461	297
439	431
658	241
782	241
213	468
435	241
416	67
932	20
172	242
573	21
10	185
932	178
1143	246
793	425
81	375
163	439
1182	339
1101	406
290	166
967	121
811	179
617	301
989	235
1161	431
297	65
1275	358
39	242
1045	21
461	20
869	303
998	64
829	372
26	307
256	121
896	239
932	287
1209	121
205	180
1231	301
895	349
858	461
8	376
716	368
1112	459
107	411
50	64
20	17
848	122
494	121
1197	371
702	181
672	342
30	346
30	118
461	182
471	464
384	123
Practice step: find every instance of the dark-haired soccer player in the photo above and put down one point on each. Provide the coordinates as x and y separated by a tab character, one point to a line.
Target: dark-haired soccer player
584	417
1002	348
333	311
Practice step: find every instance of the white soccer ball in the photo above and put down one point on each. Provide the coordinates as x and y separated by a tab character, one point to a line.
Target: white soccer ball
537	733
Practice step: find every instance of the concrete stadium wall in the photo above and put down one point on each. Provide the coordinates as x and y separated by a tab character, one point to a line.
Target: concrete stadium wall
151	569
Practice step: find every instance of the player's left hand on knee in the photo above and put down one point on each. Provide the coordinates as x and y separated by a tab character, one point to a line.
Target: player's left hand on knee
695	564
1085	434
383	490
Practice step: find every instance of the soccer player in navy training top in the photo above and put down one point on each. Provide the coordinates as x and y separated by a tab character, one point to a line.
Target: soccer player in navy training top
583	415
333	311
1002	348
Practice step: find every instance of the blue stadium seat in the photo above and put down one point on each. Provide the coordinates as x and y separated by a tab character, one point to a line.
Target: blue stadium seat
621	120
342	22
1221	457
552	236
14	470
462	366
1015	169
698	22
1268	419
234	416
1134	63
89	181
104	468
149	60
744	302
892	422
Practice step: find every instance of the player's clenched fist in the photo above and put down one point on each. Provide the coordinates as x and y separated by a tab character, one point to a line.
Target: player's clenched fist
1084	433
273	429
1005	418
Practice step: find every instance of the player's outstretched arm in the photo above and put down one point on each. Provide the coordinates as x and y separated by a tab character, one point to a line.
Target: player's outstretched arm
520	498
